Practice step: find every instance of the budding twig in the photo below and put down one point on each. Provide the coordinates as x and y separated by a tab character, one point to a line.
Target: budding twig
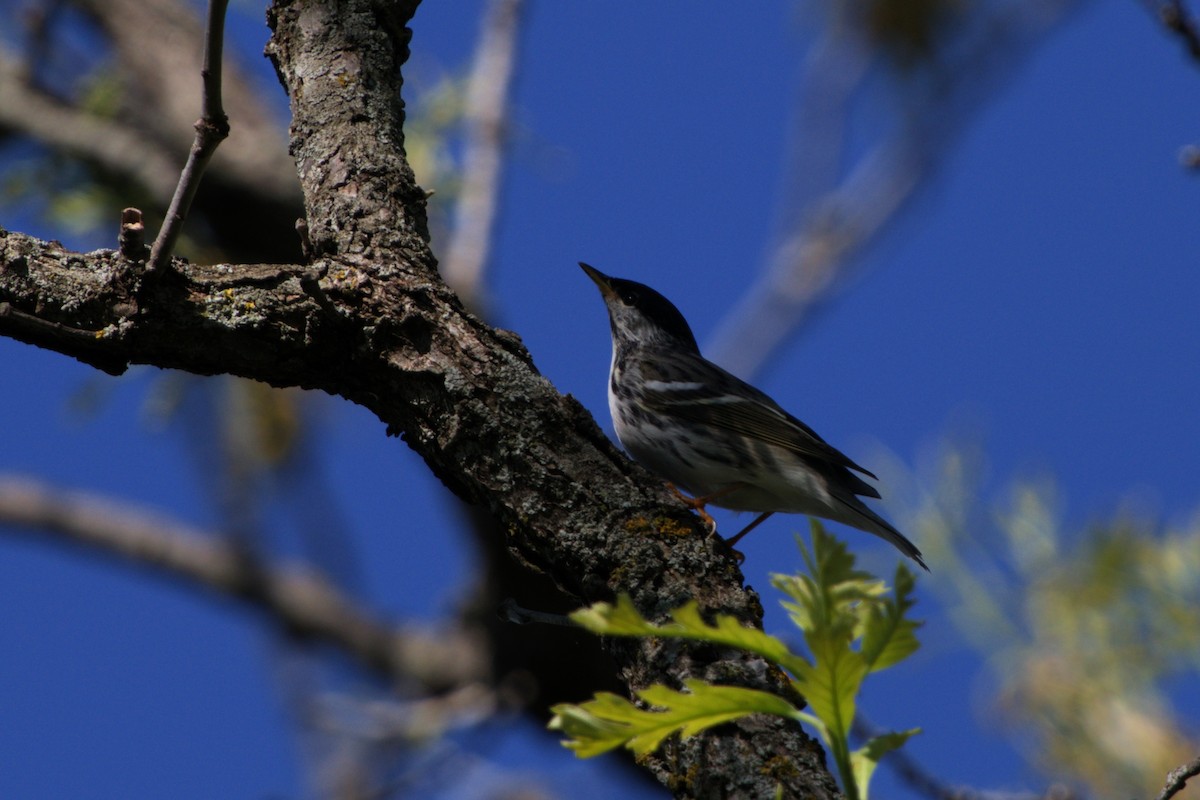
211	130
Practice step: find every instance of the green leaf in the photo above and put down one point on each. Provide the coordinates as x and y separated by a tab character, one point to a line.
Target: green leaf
831	684
703	705
610	721
829	597
595	727
865	759
624	619
888	635
816	724
852	626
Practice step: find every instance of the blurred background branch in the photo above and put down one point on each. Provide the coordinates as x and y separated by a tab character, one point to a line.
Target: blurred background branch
485	120
1177	18
938	62
296	600
1086	631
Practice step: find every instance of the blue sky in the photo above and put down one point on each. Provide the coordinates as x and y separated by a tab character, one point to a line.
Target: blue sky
1044	292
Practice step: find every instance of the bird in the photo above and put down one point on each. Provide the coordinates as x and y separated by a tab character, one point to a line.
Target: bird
701	428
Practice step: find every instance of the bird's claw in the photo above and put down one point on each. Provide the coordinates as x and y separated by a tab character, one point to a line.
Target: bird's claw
696	504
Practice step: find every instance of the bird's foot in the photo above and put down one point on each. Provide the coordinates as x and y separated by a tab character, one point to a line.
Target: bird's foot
696	504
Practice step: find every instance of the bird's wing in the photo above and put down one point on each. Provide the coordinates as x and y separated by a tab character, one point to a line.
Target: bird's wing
702	392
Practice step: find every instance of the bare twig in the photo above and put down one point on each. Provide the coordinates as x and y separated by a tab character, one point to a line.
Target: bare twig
486	112
132	240
511	611
303	603
211	130
132	140
157	74
1178	779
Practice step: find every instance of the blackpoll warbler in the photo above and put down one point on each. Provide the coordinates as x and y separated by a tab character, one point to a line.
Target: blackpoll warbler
696	425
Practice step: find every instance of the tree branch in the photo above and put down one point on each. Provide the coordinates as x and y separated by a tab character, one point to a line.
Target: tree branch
371	321
467	398
301	602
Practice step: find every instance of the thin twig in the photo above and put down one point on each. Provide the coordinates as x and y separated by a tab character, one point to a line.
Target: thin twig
158	97
486	117
302	602
511	611
1178	779
211	130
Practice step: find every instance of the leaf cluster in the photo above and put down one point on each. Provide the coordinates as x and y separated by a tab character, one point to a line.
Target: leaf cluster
1090	631
852	625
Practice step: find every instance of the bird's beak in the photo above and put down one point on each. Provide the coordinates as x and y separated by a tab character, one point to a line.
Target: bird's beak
602	280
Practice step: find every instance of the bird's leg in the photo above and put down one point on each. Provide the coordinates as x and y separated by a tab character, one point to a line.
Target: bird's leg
732	540
697	504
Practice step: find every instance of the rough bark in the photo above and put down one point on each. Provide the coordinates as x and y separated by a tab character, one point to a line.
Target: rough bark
369	320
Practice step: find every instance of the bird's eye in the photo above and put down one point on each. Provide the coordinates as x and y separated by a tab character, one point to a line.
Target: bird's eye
628	296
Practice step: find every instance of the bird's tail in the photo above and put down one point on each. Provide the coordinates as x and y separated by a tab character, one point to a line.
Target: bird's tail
858	515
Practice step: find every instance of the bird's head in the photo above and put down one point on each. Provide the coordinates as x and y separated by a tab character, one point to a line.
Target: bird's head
639	315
